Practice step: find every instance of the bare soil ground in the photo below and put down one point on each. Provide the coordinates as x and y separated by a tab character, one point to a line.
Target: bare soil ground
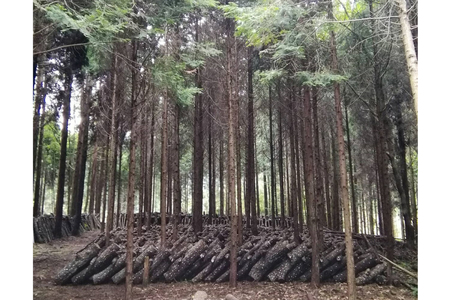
48	259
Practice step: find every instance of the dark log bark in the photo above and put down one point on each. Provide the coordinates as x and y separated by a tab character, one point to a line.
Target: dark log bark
370	274
82	258
97	264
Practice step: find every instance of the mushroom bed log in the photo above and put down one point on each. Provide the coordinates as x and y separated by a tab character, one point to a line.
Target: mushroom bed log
272	255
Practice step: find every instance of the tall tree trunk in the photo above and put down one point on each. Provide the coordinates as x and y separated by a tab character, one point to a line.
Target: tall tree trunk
176	174
212	198
297	160
197	203
38	103
413	190
105	186
335	205
272	171
294	190
351	284
350	164
410	53
266	203
151	152
403	169
63	153
280	157
83	140
325	152
232	126
94	179
113	148
318	180
142	170
131	175
36	205
221	187
119	178
382	144
309	188
250	145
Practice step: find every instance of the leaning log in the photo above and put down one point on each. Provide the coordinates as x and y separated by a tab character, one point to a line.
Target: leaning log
370	275
81	260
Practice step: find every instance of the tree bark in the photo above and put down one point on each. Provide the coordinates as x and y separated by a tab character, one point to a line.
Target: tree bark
272	170
232	124
343	171
113	149
38	171
350	164
176	175
131	175
280	158
63	154
83	140
197	203
410	53
309	188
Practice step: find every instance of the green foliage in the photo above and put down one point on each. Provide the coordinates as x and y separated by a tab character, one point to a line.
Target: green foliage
318	78
168	75
269	76
266	22
202	3
196	56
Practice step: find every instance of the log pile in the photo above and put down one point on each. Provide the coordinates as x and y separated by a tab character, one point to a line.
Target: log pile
43	226
272	255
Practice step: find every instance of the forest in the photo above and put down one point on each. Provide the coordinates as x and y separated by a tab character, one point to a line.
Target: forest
276	139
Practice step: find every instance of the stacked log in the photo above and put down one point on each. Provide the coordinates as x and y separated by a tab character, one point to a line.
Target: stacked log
43	226
204	257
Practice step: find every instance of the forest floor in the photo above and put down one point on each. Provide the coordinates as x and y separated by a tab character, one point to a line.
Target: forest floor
49	258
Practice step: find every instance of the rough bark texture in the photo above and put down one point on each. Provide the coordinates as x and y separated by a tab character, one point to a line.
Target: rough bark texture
63	152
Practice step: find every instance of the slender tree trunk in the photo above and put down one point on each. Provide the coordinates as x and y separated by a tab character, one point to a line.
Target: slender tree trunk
119	179
266	203
131	176
105	186
294	190
63	152
113	149
197	203
83	140
297	162
335	205
413	190
410	53
383	159
44	184
39	102
309	188
212	200
94	179
151	165
325	151
221	187
250	146
141	170
176	175
350	163
403	169
88	189
351	284
280	158
318	180
272	171
36	204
